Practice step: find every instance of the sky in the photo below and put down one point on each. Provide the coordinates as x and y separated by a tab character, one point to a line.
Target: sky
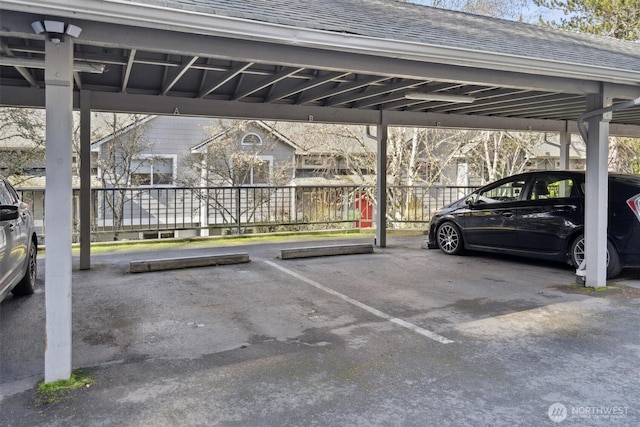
530	13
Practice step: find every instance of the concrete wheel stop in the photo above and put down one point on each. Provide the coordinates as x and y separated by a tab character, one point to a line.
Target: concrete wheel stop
327	250
145	266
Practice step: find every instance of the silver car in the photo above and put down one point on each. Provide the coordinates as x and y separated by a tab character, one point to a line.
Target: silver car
18	244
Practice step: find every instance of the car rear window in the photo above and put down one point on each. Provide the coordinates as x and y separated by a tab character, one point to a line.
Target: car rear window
552	188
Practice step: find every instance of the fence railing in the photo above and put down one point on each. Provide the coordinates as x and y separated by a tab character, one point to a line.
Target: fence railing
144	212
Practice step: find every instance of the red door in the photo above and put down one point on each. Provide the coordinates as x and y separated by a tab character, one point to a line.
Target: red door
365	207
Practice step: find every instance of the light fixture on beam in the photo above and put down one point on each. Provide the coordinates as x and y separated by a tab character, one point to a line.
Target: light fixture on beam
441	97
56	30
38	27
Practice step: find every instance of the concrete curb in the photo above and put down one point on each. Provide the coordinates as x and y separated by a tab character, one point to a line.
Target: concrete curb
329	250
187	262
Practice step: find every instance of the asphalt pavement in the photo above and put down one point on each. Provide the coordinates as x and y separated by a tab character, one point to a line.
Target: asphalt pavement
401	337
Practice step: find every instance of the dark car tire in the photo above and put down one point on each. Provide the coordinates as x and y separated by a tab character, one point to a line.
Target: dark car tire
25	287
449	238
613	259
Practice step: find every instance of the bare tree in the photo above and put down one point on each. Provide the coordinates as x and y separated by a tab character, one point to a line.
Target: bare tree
415	157
508	9
624	155
22	136
119	159
496	154
227	168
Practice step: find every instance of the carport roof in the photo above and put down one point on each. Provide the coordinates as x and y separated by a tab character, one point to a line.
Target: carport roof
336	60
428	26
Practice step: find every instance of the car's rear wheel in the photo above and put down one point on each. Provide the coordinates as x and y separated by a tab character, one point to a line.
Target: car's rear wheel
613	259
25	287
449	238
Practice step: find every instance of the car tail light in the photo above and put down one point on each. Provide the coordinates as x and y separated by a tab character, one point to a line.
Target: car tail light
634	204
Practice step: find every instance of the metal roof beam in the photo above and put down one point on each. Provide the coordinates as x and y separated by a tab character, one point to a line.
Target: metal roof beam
524	106
230	75
22	70
127	70
100	33
491	96
283	74
313	83
185	67
343	88
77	80
375	92
152	104
395	97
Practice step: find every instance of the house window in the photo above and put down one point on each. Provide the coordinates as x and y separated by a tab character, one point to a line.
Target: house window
259	172
75	162
314	162
153	171
94	163
251	139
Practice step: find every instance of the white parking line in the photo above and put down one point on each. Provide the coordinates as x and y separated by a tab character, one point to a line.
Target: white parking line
400	322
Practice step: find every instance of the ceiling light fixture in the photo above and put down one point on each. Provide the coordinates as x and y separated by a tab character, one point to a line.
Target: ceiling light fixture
56	30
441	97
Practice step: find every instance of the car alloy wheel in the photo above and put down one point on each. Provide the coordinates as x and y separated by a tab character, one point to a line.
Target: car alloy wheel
448	237
613	261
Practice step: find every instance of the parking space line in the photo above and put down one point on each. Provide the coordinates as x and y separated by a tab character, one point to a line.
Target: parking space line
376	312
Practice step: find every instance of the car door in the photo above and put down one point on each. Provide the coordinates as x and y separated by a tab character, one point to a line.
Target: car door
491	220
13	240
552	210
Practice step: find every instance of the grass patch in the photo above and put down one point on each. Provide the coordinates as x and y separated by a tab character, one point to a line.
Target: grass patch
234	240
589	289
59	390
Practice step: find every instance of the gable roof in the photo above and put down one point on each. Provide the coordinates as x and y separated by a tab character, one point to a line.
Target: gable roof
258	123
124	129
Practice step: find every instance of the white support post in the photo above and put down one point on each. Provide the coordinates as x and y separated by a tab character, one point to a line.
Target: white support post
85	180
596	198
381	186
58	206
565	149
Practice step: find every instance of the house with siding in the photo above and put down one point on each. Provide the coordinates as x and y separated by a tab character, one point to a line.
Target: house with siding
192	163
175	149
192	173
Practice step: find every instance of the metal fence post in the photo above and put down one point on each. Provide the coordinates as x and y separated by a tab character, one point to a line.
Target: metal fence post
238	210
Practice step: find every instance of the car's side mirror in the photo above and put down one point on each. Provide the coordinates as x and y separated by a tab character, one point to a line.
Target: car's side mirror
470	201
8	212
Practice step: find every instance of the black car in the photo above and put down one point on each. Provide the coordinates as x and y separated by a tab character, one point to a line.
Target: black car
540	215
18	244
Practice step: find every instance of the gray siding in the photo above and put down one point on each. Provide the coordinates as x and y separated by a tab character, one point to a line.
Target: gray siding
176	135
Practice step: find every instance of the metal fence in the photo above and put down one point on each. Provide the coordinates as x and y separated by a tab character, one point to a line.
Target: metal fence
146	212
